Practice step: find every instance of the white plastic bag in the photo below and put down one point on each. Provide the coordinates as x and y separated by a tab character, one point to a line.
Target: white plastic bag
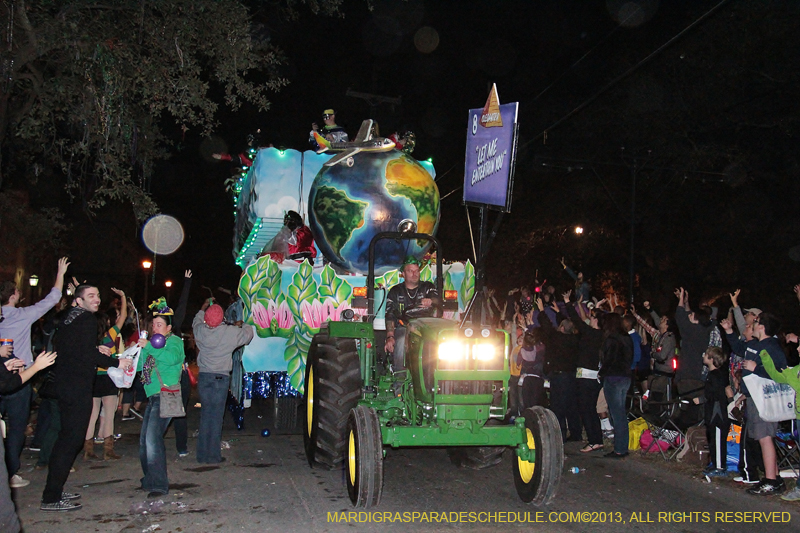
774	401
124	378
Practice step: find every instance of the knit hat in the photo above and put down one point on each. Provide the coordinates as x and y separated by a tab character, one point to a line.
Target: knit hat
213	317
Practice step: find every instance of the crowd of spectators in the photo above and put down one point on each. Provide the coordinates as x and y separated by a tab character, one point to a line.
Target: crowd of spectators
582	357
77	401
589	360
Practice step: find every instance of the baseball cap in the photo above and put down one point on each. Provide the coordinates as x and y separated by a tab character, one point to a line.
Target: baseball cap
329	112
755	310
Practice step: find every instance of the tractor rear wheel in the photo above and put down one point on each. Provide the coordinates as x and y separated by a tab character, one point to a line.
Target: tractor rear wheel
333	386
364	466
537	481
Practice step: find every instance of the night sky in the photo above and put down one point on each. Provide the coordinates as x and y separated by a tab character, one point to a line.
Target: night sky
551	56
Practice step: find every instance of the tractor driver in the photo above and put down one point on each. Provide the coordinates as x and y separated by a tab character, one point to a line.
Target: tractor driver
411	299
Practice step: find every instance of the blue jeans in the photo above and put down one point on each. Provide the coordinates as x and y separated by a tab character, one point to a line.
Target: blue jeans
16	409
616	388
152	451
213	389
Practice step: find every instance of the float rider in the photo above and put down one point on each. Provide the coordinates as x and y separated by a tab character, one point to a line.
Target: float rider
330	130
410	299
301	243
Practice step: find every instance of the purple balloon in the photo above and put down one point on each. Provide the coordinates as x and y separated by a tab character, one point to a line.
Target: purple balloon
158	341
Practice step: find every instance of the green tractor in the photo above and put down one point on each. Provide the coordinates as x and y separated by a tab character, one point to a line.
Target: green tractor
452	392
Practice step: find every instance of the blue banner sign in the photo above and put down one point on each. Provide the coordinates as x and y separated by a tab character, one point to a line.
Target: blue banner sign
491	154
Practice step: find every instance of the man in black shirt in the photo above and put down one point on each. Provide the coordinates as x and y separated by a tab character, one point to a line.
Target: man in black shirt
411	299
75	370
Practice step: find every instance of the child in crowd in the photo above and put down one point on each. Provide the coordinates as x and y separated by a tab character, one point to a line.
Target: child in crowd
716	411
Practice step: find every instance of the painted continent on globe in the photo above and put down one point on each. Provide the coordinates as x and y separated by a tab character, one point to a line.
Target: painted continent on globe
350	205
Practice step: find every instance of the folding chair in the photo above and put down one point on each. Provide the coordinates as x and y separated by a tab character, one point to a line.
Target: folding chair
668	418
787	447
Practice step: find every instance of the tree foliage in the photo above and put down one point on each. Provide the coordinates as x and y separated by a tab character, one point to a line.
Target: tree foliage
89	87
34	235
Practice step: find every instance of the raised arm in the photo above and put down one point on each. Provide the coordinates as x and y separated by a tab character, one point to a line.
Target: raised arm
787	375
180	311
63	265
647	327
123	310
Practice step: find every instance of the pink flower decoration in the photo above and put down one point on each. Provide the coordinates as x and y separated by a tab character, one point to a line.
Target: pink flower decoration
316	314
261	316
312	314
284	316
280	314
329	310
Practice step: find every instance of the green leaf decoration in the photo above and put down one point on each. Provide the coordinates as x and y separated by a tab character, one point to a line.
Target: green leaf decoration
253	278
468	285
332	286
263	332
305	329
448	282
303	288
295	357
426	274
272	280
390	279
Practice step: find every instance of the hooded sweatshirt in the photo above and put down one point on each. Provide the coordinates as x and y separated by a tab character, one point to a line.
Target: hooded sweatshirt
751	352
216	345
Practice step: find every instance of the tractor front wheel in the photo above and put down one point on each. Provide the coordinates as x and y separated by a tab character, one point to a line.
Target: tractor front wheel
537	481
364	466
332	388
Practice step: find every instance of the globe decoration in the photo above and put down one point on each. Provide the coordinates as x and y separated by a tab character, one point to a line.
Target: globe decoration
350	205
158	341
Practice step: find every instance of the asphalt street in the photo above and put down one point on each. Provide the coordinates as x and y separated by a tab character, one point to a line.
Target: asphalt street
267	485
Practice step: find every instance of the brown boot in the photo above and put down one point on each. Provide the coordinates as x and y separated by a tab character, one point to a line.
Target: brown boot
108	449
88	450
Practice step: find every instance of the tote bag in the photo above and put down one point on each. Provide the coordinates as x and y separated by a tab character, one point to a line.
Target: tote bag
775	401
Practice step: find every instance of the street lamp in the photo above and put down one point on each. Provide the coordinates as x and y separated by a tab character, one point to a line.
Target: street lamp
578	230
33	281
146	264
168	285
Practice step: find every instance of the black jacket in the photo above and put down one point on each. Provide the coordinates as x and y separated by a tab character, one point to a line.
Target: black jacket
616	356
716	408
78	357
562	348
694	343
9	381
589	341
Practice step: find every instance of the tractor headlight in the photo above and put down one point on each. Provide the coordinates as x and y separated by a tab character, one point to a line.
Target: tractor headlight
452	351
484	352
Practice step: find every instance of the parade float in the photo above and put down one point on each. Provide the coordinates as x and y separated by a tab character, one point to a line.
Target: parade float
322	322
287	301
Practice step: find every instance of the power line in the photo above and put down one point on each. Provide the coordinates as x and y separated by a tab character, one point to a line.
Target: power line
584	56
628	72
